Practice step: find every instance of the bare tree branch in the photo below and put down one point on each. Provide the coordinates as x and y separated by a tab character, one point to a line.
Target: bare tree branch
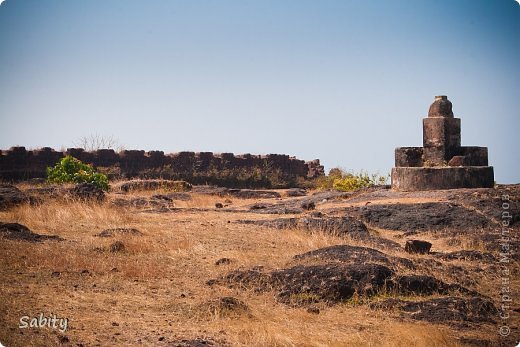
94	142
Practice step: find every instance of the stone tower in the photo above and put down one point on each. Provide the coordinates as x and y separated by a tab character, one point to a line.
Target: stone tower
442	163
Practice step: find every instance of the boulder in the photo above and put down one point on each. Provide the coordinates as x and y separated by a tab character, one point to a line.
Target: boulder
86	192
429	216
15	231
329	283
11	196
417	246
117	247
353	255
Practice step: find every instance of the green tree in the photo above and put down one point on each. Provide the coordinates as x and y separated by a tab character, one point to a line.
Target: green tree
72	170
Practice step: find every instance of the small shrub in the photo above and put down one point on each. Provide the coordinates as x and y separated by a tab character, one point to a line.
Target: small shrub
346	181
72	170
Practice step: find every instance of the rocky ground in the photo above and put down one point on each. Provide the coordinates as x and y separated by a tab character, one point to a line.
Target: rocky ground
155	263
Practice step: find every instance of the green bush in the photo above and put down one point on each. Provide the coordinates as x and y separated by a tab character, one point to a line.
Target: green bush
70	169
346	181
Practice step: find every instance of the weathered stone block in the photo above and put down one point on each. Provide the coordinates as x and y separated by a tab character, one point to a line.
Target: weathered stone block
409	156
422	178
441	132
474	156
457	160
435	156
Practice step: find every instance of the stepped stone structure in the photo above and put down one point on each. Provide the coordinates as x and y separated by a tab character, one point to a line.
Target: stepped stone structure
442	163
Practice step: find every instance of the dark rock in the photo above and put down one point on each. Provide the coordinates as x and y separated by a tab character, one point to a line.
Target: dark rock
417	246
223	261
329	283
313	310
154	184
295	192
219	205
226	306
113	231
11	196
258	207
15	231
117	247
87	192
335	225
249	277
308	205
419	285
275	209
421	217
354	255
330	225
304	284
427	285
449	309
489	201
63	339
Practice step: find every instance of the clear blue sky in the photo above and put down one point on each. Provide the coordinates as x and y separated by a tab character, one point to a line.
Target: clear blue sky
344	81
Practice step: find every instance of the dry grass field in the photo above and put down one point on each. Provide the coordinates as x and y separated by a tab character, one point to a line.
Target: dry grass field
154	289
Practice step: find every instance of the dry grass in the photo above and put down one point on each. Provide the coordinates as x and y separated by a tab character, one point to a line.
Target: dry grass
156	287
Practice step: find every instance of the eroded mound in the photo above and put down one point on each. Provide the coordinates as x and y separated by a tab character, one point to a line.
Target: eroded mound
342	272
15	231
449	309
354	254
422	217
330	225
11	196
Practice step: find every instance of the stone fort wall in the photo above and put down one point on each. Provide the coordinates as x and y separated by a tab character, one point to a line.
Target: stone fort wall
225	169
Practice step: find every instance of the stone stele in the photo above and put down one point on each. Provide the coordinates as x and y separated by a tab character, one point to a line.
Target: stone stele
442	163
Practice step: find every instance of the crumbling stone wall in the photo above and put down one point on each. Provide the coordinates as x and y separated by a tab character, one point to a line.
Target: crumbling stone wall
225	169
